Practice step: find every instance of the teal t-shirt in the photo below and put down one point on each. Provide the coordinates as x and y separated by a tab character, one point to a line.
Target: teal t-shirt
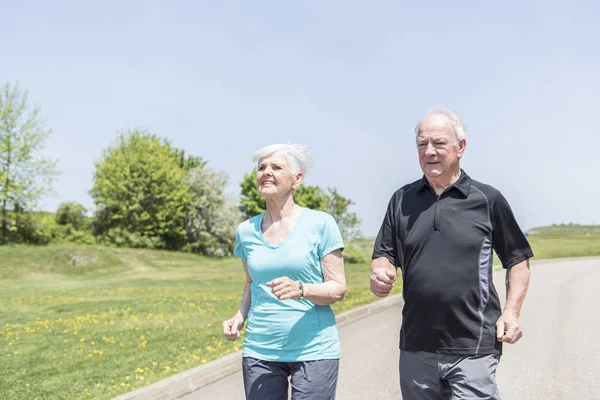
289	330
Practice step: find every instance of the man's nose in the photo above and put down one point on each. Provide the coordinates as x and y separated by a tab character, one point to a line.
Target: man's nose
430	149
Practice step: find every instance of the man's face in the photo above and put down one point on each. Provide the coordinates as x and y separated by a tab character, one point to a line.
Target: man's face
439	150
274	176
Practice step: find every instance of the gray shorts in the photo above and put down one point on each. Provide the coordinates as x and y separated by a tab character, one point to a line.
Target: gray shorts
268	380
439	376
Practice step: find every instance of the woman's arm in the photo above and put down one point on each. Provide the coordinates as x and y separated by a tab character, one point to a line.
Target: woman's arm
334	287
232	327
326	293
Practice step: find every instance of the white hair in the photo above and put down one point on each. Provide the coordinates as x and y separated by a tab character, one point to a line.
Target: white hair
297	155
455	121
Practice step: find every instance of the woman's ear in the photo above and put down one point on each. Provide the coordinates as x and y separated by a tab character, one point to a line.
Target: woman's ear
298	180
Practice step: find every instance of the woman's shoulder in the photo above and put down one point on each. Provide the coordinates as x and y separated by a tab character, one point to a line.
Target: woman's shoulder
318	217
250	224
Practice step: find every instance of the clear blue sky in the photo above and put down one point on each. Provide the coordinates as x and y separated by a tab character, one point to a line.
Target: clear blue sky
350	79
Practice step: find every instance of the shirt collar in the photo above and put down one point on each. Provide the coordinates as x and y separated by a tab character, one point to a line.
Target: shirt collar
463	184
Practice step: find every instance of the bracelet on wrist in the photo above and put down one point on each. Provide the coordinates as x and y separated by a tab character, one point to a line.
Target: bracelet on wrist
301	287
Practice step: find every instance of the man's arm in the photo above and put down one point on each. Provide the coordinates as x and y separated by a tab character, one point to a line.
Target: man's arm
385	253
517	282
383	276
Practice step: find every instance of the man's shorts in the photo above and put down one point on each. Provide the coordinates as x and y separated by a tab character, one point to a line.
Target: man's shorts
427	376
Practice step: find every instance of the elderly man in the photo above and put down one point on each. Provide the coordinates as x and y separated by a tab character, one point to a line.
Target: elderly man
440	231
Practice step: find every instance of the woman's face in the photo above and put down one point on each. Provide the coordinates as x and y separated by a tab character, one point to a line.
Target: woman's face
274	176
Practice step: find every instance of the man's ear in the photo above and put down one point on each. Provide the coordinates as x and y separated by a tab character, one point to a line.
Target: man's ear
462	144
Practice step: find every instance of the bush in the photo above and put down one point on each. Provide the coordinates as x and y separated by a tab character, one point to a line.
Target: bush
352	255
36	229
73	214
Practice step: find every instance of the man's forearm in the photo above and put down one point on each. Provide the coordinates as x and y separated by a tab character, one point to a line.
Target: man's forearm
517	283
381	262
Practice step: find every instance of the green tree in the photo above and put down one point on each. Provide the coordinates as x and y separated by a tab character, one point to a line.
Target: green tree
73	214
24	177
141	193
348	222
251	202
187	162
73	225
213	216
311	197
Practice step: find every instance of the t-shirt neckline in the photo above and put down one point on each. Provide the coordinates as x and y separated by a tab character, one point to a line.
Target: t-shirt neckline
291	232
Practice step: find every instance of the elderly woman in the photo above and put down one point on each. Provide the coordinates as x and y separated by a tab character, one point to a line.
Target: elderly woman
294	268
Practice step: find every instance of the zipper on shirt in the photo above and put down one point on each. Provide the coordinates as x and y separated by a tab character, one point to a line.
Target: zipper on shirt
435	215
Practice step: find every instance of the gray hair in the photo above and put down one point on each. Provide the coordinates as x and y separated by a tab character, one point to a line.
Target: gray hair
455	121
297	155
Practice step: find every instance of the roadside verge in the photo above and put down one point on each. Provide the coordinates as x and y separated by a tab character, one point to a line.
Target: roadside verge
198	377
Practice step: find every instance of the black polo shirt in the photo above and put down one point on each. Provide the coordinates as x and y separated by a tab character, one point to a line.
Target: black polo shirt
444	247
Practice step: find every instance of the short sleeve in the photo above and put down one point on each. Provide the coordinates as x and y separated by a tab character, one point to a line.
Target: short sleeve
508	240
385	243
239	249
331	238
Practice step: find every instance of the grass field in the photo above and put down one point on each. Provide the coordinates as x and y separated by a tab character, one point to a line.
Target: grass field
92	322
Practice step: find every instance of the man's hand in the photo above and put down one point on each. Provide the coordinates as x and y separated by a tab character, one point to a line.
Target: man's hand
507	327
383	276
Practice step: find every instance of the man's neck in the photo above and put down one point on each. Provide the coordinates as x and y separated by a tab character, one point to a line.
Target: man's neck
443	182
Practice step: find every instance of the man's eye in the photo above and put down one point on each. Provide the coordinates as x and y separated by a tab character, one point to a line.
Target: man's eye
261	168
421	144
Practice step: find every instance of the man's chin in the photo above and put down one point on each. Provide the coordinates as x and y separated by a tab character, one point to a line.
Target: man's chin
432	173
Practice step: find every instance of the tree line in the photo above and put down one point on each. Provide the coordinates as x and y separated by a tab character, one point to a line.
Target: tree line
147	193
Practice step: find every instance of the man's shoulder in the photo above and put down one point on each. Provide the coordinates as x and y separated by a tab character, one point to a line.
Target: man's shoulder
487	190
408	188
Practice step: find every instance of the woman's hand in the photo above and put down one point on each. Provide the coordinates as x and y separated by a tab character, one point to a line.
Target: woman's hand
231	327
284	288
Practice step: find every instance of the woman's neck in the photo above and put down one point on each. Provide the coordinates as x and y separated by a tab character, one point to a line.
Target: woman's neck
281	208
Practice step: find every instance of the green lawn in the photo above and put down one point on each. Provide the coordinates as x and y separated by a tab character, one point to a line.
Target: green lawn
92	322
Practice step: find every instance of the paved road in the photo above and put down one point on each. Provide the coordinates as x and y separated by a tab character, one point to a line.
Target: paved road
558	357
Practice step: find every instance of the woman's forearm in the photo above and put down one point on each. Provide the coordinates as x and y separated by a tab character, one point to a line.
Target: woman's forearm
325	293
246	301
